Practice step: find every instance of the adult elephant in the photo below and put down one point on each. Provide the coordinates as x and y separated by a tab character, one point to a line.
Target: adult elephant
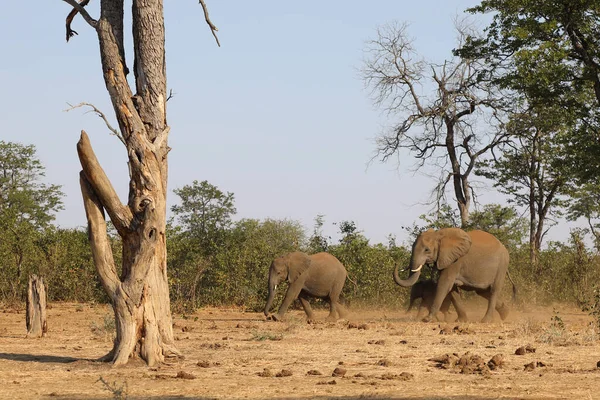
473	260
319	275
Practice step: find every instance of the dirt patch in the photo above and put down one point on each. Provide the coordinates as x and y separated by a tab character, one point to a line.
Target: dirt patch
380	354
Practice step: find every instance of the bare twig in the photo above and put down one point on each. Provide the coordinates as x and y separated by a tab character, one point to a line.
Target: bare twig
78	8
212	26
101	115
171	95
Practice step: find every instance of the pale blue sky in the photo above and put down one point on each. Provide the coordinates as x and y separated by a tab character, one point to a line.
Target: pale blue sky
277	115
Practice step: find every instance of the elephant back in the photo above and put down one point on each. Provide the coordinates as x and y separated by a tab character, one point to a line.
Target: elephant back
329	260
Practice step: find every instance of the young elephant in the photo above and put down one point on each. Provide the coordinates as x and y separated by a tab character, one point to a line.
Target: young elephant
318	275
425	290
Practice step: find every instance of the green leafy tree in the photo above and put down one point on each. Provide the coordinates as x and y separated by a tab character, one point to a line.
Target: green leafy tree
548	53
204	214
502	222
27	209
557	42
531	168
204	218
317	242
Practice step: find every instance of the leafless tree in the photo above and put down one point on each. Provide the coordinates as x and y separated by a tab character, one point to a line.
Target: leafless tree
140	294
443	129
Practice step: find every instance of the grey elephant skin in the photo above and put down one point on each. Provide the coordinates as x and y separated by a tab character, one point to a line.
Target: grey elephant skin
425	290
319	275
474	260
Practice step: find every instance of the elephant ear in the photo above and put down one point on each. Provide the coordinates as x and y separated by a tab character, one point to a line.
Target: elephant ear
297	263
454	243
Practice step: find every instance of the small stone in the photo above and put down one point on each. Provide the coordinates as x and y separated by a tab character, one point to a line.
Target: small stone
384	362
314	372
339	372
266	373
185	375
203	364
521	351
283	373
530	366
331	382
496	362
406	376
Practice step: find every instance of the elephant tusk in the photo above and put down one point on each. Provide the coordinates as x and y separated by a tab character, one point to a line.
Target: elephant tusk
418	269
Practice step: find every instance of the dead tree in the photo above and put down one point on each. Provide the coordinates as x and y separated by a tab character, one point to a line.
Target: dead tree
437	129
140	294
35	316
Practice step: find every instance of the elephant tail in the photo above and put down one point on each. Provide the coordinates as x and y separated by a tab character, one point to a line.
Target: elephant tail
514	294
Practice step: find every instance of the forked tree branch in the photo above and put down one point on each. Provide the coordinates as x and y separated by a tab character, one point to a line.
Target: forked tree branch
101	115
78	8
212	26
101	250
120	215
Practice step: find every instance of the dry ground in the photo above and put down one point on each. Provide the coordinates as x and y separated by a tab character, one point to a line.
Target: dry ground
385	354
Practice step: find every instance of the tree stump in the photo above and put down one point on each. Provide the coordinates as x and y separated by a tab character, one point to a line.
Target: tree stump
36	307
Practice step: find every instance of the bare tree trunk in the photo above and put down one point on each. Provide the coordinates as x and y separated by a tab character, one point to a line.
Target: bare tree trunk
459	181
140	296
35	317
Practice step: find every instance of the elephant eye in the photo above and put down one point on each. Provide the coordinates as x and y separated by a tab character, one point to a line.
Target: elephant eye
426	249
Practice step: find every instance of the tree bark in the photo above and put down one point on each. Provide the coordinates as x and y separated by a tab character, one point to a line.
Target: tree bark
460	182
37	325
140	296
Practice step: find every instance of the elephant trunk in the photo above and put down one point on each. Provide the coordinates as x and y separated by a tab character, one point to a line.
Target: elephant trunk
271	296
412	279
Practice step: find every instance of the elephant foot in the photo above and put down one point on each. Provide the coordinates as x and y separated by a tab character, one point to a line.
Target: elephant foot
428	318
503	311
486	318
462	319
274	317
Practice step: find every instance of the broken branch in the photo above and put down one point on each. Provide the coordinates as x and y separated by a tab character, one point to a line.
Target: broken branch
101	115
120	215
78	8
212	26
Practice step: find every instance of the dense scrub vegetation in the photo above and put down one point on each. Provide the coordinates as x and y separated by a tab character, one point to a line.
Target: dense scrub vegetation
217	260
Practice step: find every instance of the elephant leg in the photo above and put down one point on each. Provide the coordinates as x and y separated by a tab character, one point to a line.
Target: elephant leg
336	308
503	310
492	295
445	307
444	286
306	305
493	302
456	301
291	295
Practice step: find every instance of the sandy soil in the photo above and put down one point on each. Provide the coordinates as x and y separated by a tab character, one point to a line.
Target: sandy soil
238	355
